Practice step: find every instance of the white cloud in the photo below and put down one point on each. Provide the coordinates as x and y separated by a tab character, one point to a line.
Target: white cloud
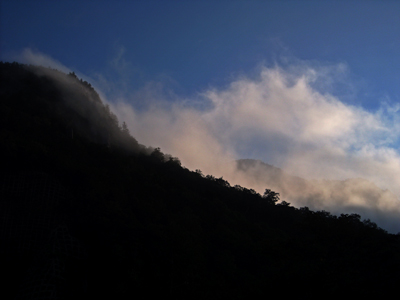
301	127
281	117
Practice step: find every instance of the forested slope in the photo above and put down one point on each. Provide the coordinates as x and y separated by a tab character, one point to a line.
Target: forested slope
87	212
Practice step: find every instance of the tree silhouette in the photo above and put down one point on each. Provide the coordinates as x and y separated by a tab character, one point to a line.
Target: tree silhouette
271	196
125	129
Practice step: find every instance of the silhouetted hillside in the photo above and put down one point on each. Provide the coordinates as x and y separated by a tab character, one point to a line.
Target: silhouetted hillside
354	195
88	212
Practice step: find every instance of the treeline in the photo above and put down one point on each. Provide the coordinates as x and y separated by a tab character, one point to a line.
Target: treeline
151	227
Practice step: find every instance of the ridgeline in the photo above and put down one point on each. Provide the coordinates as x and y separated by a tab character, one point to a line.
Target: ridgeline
88	212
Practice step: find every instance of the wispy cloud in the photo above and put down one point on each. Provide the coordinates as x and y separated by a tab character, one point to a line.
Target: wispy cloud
120	76
29	56
119	63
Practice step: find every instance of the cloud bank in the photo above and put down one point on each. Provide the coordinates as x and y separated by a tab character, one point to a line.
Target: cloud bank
277	117
287	117
290	117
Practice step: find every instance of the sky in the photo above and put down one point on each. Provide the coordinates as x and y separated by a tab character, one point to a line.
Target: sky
311	87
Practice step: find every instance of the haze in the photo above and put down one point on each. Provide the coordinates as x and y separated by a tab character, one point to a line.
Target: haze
314	92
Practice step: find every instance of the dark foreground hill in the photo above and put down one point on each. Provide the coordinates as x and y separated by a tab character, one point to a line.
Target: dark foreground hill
88	212
354	195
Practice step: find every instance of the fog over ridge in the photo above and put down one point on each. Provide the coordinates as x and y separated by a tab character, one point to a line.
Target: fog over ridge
290	125
283	120
288	117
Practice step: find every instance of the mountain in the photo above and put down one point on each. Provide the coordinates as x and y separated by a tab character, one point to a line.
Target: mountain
354	195
88	212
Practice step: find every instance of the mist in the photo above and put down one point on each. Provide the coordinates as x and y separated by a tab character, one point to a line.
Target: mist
344	155
333	154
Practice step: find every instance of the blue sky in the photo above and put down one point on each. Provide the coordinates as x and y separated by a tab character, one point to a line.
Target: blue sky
202	43
308	86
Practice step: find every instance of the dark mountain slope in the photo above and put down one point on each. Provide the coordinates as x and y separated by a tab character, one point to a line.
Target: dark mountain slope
89	212
354	195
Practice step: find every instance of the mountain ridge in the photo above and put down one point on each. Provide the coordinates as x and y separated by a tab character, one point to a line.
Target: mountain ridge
113	218
352	195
